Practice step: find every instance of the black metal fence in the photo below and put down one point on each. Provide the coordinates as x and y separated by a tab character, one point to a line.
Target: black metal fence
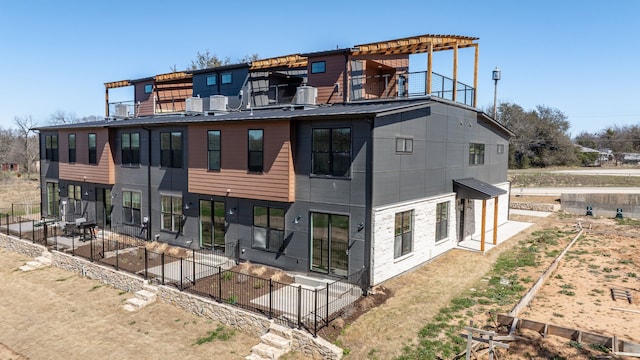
208	273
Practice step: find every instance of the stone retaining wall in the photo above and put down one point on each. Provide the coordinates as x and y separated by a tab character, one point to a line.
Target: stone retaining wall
534	206
257	325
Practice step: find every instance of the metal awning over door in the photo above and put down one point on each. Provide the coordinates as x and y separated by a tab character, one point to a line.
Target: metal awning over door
472	188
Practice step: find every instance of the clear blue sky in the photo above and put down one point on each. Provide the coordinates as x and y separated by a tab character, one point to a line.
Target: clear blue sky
577	56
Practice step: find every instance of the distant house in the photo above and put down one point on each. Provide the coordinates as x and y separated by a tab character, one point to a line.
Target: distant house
11	166
338	163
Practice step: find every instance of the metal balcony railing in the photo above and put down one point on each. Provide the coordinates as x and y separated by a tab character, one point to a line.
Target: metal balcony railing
408	85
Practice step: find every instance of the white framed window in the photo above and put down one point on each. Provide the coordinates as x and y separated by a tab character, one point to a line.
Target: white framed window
404	145
403	242
171	212
442	221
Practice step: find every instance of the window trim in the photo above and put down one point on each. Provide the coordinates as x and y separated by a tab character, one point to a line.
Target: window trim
76	192
172	153
255	169
226	78
51	147
212	80
403	232
331	154
177	218
442	237
72	149
500	148
319	67
129	155
93	150
403	148
131	208
269	230
213	152
476	154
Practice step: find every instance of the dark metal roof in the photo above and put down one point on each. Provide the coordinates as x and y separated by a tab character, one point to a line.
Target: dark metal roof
350	109
472	188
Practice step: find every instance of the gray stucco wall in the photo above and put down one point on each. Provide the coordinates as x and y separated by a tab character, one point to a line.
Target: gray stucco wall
441	136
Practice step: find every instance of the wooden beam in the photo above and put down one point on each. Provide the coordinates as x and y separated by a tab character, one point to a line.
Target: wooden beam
475	75
495	221
484	224
106	101
429	68
117	84
455	72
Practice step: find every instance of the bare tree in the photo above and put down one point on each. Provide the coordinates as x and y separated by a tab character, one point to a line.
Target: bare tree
207	60
29	141
61	117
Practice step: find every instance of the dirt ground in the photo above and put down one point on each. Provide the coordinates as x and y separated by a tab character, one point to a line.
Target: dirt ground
50	313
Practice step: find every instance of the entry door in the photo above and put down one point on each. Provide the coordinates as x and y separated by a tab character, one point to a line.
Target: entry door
212	224
103	207
330	243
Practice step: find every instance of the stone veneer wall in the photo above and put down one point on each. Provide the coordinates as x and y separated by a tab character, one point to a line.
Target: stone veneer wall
249	322
384	265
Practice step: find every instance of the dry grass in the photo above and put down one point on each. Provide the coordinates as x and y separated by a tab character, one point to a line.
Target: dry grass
51	313
18	190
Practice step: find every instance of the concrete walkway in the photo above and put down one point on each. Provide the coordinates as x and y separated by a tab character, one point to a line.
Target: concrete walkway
505	232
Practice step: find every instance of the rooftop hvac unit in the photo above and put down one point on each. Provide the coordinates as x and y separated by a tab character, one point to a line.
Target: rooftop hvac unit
306	95
218	103
193	104
121	111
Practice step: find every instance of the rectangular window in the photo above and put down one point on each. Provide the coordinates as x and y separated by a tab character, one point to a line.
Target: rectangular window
318	67
171	149
148	89
500	148
72	148
51	147
53	199
213	149
331	153
256	149
268	228
404	145
130	149
403	242
212	224
212	80
476	154
92	149
171	210
131	204
226	78
74	196
442	221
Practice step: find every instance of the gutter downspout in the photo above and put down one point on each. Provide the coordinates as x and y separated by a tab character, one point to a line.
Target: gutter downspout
149	227
369	205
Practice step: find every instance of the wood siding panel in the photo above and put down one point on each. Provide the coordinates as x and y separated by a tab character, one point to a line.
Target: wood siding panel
274	184
170	97
146	100
81	170
325	82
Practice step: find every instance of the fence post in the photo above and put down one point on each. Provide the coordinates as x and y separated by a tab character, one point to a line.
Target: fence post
7	224
117	259
315	313
73	243
299	306
326	319
146	264
193	252
91	250
162	260
12	211
270	298
219	283
180	273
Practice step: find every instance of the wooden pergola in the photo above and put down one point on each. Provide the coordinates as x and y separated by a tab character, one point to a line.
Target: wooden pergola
426	44
288	61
